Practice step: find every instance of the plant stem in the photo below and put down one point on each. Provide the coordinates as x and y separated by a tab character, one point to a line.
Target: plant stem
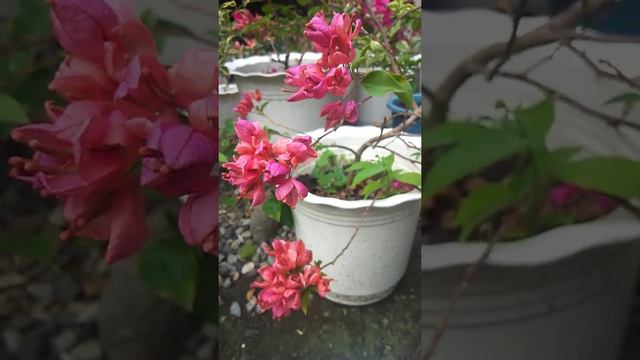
469	274
353	236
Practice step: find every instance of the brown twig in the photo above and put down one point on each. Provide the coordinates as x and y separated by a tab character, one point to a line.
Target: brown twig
610	120
385	40
516	16
393	132
353	236
617	75
469	274
560	27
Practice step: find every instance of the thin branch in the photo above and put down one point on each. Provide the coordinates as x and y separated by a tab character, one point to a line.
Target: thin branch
516	16
353	236
617	75
393	132
610	120
560	27
543	60
469	274
398	154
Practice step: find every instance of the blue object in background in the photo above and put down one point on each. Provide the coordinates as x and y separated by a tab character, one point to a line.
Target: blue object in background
396	106
622	17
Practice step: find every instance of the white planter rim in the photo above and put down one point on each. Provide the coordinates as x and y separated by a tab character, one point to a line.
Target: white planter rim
361	131
564	241
236	65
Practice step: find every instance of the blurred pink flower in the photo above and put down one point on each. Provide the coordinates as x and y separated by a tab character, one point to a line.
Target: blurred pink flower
283	283
338	111
291	191
288	255
382	8
242	18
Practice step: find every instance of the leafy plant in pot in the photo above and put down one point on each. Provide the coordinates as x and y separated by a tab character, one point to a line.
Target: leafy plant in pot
379	168
555	231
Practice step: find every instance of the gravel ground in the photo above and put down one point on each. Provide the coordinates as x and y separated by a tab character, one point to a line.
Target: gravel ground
388	329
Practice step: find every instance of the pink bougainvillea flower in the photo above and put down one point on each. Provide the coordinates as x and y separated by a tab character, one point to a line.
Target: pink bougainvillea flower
312	276
319	32
338	111
78	79
337	81
564	194
198	220
276	173
291	191
288	255
245	105
194	76
279	293
117	216
178	160
83	27
291	274
123	107
299	150
242	18
310	80
341	51
381	7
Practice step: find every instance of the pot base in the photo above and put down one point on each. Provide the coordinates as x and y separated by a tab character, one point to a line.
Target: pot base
359	300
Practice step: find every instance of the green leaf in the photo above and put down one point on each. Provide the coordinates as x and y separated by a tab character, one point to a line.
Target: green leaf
388	160
628	98
247	251
222	158
228	200
205	304
359	165
11	111
381	82
367	172
372	186
536	121
41	246
272	208
613	175
469	157
412	178
169	268
452	132
304	302
286	216
481	204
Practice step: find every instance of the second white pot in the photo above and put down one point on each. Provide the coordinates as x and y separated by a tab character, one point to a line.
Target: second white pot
267	75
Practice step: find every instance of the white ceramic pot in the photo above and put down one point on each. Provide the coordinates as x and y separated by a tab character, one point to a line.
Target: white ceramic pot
372	111
565	72
261	72
377	258
228	97
564	294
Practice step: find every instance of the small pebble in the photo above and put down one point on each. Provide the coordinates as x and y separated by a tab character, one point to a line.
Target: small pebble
235	309
226	283
248	267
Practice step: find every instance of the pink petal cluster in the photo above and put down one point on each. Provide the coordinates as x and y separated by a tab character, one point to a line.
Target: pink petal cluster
329	74
291	274
337	112
381	7
242	18
335	40
245	105
258	162
564	194
124	109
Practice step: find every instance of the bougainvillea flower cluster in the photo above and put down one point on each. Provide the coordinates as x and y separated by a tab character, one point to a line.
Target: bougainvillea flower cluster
258	162
245	105
130	123
283	284
565	194
381	7
330	74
